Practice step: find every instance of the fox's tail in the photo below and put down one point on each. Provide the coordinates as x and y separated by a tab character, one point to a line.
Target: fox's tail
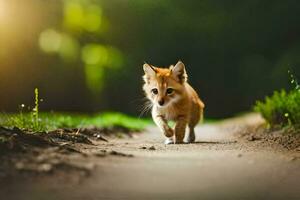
201	111
201	115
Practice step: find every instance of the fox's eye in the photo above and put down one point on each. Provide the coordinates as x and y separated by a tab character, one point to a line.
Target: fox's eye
170	90
154	91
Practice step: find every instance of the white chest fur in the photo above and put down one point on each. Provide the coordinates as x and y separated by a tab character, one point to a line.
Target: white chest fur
168	112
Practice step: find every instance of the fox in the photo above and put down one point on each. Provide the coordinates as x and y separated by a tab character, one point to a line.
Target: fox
172	99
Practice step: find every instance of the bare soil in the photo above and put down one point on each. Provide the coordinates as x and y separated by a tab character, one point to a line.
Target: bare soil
234	159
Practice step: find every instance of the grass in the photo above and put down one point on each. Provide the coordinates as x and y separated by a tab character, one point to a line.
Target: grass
35	121
52	121
282	108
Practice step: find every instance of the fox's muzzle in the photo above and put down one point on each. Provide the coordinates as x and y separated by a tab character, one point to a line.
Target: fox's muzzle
161	102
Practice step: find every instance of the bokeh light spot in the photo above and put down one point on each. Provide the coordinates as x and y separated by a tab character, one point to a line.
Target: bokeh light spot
94	54
82	15
73	14
93	18
50	41
94	77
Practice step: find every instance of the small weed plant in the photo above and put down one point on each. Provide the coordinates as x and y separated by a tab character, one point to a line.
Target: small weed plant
35	110
27	118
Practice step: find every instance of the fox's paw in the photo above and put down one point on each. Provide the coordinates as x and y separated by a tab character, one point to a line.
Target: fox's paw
179	142
169	141
169	132
190	139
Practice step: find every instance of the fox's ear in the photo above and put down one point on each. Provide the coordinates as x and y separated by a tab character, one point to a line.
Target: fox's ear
149	70
178	72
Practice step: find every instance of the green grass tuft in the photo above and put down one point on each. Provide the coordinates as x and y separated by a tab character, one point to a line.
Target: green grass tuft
282	108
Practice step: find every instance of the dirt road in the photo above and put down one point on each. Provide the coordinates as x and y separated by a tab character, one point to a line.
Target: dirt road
220	165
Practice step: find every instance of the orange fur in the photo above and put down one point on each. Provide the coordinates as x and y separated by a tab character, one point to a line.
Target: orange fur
179	101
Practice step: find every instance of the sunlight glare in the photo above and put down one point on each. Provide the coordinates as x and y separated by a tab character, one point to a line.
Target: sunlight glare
3	11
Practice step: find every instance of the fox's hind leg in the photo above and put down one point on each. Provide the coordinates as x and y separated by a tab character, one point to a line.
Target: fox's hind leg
196	116
191	137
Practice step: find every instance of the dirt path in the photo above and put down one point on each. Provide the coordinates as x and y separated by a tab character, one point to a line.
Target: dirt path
221	165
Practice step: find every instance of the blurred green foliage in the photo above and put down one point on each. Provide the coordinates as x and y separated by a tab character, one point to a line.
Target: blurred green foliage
80	18
86	55
82	15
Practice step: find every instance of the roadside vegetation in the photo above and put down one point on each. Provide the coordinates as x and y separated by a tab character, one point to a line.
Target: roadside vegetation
51	121
35	121
283	107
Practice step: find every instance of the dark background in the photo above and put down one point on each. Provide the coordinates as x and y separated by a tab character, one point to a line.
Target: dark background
87	56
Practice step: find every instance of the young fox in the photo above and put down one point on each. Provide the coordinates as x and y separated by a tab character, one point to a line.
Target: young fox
172	99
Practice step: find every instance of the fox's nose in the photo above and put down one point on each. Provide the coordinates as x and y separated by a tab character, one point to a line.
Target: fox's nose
161	102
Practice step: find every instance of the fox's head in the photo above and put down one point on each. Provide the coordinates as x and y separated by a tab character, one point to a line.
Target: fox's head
163	86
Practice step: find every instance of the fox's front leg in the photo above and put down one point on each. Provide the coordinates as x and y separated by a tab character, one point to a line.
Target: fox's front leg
162	123
180	127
